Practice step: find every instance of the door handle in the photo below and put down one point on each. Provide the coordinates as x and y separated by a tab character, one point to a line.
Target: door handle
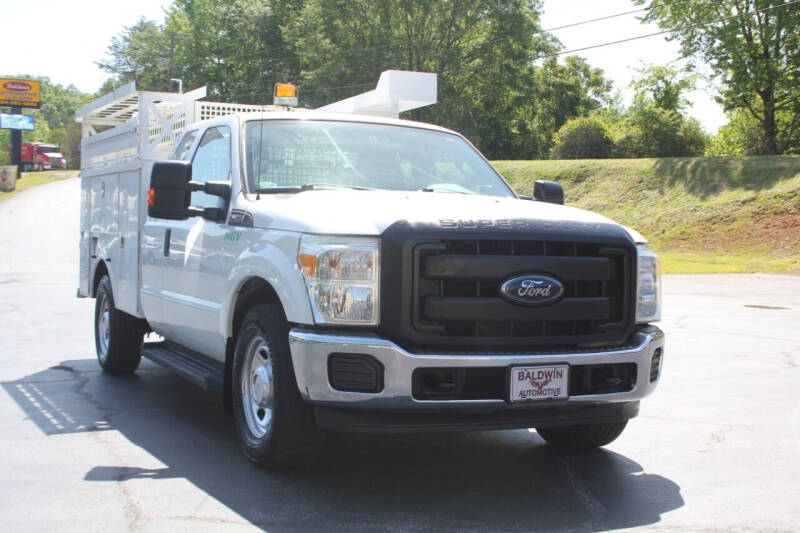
167	238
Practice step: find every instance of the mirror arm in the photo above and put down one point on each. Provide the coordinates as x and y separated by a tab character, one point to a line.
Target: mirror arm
214	214
214	188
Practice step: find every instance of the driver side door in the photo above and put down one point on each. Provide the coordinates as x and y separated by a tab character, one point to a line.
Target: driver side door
185	309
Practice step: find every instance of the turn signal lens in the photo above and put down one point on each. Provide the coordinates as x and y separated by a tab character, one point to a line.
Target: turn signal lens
308	264
151	197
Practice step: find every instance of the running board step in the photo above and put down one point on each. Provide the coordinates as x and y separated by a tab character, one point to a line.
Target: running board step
203	371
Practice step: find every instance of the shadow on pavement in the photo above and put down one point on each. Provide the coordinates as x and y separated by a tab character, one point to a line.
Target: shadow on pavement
470	481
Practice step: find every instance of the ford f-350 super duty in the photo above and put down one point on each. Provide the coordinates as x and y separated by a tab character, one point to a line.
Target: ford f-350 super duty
355	272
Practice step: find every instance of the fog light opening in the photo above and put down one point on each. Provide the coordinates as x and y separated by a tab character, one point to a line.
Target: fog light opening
355	373
655	365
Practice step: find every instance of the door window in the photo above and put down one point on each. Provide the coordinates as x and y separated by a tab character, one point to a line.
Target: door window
212	162
185	145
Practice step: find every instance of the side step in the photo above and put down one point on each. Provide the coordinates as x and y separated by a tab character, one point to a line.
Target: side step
203	371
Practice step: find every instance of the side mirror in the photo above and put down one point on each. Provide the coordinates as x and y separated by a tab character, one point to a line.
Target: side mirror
548	191
170	193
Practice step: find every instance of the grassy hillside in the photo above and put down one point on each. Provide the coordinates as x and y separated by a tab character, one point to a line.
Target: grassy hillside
722	214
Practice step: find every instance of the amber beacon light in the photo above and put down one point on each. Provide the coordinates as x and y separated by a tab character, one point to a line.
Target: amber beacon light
285	94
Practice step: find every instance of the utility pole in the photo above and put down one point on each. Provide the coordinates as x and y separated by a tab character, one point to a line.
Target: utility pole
173	38
16	144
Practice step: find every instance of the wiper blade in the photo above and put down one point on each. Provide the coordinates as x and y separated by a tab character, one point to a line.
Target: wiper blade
308	187
443	189
286	190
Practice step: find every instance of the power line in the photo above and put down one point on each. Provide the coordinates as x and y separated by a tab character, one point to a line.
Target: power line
662	32
572	25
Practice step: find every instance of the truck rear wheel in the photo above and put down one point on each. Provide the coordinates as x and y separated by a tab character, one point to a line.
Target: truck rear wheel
582	437
117	335
275	427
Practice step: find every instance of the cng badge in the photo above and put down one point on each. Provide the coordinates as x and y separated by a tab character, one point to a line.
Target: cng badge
532	289
233	236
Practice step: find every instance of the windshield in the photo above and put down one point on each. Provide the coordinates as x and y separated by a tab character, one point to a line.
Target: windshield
291	153
47	149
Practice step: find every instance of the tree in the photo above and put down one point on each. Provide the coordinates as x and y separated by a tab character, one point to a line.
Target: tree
139	53
650	131
664	86
235	47
485	53
583	138
753	46
573	89
482	51
742	135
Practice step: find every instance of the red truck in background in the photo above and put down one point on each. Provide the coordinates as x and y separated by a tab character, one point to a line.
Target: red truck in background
41	156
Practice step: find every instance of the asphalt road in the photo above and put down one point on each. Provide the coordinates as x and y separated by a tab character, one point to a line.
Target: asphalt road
716	448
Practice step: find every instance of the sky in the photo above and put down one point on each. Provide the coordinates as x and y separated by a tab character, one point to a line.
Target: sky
71	36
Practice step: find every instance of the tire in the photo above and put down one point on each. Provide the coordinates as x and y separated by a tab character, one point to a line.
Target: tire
117	335
583	437
275	427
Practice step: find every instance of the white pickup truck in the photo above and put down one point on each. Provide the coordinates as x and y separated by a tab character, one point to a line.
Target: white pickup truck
354	272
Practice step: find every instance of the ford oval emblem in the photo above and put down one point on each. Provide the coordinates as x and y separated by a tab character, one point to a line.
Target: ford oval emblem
532	289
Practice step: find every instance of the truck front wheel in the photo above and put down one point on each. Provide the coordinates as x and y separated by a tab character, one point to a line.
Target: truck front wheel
582	437
117	335
275	427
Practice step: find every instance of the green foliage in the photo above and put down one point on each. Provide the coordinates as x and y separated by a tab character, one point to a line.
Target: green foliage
140	53
753	47
650	131
235	47
664	86
742	135
583	138
483	52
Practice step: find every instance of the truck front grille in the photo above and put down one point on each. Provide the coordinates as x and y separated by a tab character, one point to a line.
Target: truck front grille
448	288
458	288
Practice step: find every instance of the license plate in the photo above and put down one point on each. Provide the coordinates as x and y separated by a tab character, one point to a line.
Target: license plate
538	383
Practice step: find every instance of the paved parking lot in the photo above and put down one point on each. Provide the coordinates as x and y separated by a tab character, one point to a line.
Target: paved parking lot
716	448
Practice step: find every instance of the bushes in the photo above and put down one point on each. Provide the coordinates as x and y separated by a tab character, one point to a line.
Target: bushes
583	138
650	131
642	131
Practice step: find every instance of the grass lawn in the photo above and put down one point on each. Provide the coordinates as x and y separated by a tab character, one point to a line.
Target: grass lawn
32	179
715	214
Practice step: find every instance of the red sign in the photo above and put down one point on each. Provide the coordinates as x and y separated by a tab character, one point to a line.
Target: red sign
17	86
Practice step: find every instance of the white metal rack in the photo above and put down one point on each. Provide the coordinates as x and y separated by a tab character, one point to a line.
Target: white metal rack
126	124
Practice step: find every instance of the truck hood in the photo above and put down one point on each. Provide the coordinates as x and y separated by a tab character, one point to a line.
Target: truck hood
360	212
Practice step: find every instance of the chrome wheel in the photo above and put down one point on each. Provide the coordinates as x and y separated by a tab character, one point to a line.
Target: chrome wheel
103	327
257	384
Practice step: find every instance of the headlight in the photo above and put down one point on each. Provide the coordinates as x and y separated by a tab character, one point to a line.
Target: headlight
342	277
648	286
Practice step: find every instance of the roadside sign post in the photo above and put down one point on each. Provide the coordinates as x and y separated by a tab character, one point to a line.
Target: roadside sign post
16	145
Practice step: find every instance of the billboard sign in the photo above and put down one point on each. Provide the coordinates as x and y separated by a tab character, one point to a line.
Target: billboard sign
20	93
16	122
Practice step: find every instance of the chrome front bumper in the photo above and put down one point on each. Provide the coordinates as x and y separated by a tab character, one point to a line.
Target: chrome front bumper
310	351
